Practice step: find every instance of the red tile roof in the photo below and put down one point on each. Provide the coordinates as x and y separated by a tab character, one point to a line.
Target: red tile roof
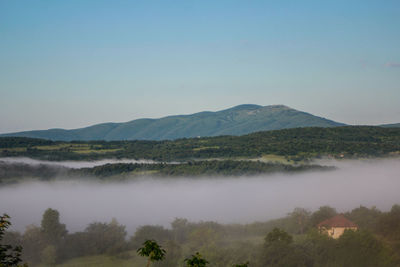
337	221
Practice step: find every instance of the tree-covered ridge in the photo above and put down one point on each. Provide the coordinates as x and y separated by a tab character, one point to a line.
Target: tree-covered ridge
198	168
18	172
391	125
238	120
294	144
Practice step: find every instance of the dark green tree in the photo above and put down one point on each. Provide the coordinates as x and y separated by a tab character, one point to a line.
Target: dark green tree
388	224
53	231
364	217
105	237
323	213
278	236
152	251
196	261
279	250
33	244
9	255
180	229
173	256
361	248
320	247
300	217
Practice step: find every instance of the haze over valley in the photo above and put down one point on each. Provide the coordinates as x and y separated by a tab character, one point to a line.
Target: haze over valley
225	200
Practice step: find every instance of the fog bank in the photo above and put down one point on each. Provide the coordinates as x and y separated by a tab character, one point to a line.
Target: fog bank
70	163
225	200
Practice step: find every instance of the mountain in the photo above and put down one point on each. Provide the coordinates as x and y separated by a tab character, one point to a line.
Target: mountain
238	120
392	125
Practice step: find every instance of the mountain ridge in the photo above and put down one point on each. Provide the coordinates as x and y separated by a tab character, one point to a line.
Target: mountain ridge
390	125
237	120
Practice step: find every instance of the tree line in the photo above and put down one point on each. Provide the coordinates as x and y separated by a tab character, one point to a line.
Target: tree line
295	144
198	168
17	172
289	241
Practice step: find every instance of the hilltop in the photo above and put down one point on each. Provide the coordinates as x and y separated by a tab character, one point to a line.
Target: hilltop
239	120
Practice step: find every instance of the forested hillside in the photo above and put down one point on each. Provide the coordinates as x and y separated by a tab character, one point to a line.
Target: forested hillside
238	120
293	144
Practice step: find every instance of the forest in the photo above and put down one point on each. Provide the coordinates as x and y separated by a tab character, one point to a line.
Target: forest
289	241
18	172
295	145
199	168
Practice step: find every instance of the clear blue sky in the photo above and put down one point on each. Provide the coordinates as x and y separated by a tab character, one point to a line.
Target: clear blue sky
71	64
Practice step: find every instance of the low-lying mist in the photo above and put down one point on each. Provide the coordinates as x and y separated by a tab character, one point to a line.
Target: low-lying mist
71	163
225	200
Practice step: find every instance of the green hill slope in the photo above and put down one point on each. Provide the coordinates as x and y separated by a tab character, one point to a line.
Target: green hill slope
392	125
238	120
278	145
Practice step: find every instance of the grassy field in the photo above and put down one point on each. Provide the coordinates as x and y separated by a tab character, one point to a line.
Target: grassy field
53	147
274	158
205	148
96	151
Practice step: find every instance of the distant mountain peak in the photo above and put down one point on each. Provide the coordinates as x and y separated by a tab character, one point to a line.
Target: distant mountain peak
238	120
247	106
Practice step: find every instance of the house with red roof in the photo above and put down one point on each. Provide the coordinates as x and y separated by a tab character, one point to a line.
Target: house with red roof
336	226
